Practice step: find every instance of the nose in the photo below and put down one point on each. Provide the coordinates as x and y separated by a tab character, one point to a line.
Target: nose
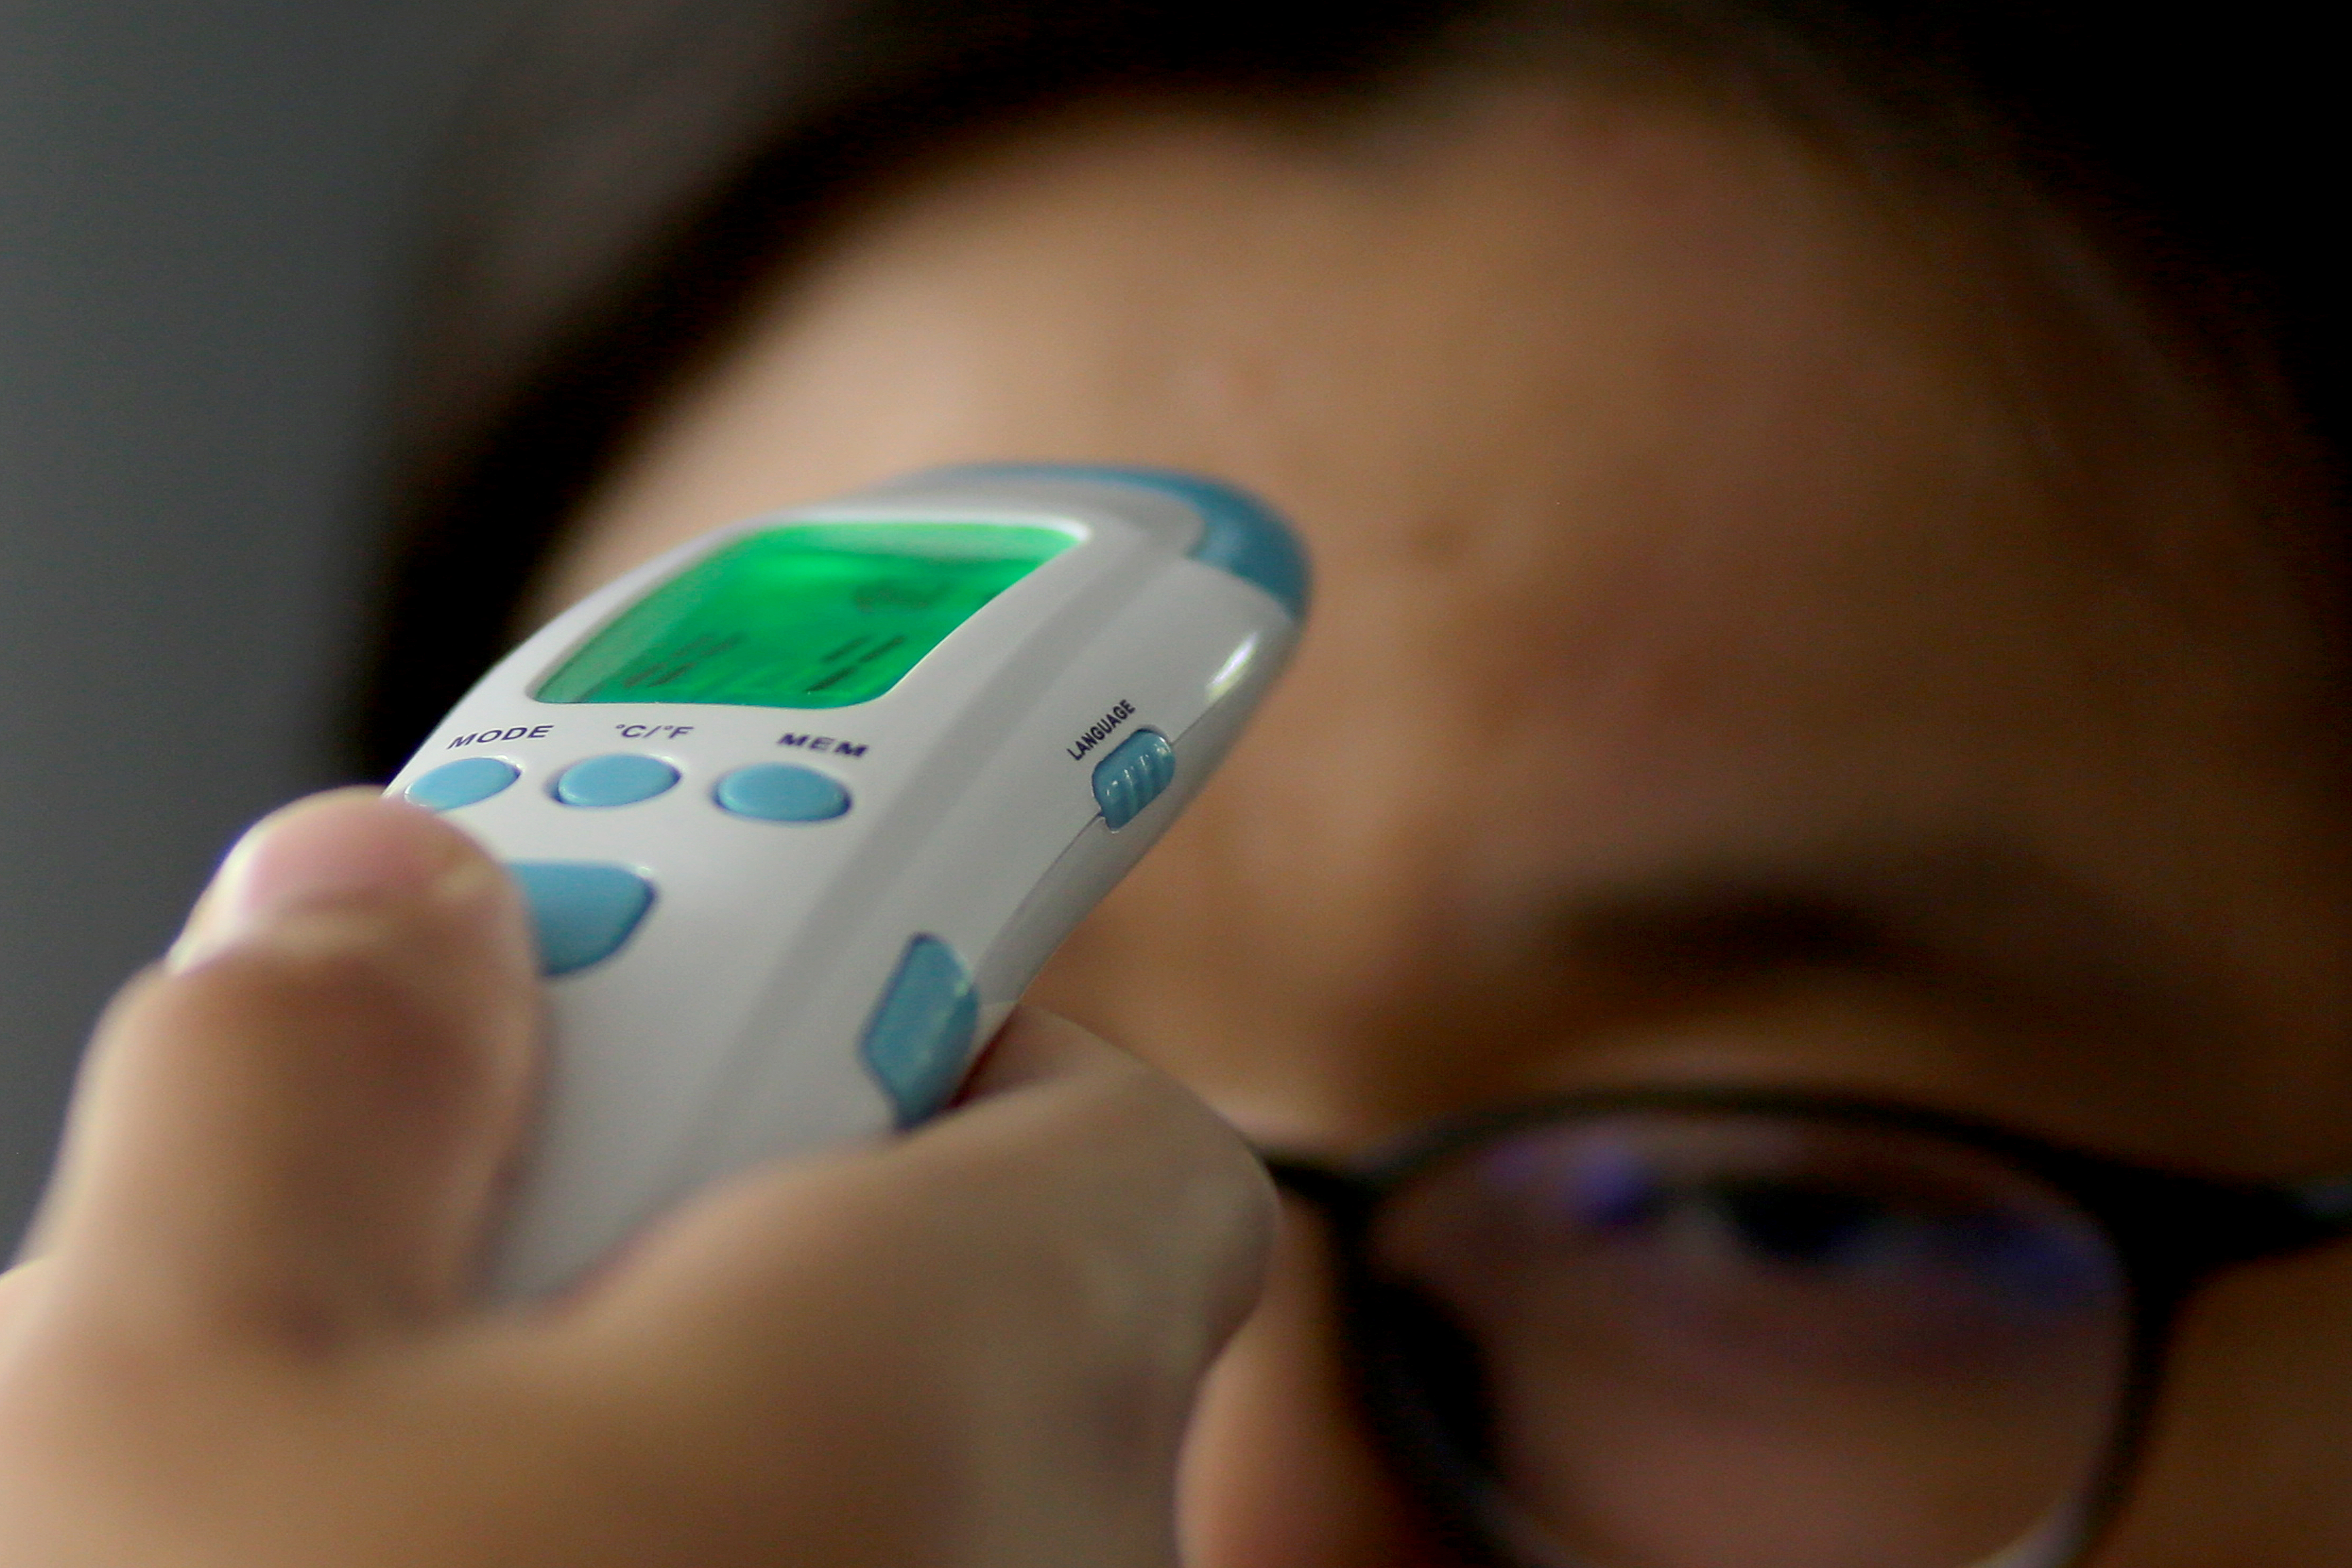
1279	1470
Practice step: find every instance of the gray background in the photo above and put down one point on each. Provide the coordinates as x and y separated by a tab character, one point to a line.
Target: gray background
204	210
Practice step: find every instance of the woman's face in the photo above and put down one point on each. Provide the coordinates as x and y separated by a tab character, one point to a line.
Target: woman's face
1772	628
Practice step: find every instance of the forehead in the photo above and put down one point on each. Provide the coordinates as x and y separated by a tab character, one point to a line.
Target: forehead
1656	752
1701	528
1707	541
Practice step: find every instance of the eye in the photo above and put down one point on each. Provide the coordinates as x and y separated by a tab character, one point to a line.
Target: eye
1863	1231
1799	1226
1907	1239
1922	1341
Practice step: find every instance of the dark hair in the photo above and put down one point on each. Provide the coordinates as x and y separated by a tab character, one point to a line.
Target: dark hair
632	169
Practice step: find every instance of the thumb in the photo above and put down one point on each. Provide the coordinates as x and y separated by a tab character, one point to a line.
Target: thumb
294	1127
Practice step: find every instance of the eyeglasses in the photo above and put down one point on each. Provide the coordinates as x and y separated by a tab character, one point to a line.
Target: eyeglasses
1735	1329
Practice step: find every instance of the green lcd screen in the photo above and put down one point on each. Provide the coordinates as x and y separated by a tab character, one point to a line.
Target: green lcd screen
820	615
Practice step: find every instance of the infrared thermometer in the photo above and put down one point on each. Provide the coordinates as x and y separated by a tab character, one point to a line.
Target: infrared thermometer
800	808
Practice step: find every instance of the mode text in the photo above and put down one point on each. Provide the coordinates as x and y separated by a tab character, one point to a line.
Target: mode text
499	737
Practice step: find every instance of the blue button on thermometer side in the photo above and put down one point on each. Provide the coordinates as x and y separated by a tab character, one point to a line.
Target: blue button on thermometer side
916	733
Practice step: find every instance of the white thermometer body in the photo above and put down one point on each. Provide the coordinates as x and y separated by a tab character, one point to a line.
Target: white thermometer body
802	808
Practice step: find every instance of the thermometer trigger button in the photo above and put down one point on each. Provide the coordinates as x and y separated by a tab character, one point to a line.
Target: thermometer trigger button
462	783
919	1039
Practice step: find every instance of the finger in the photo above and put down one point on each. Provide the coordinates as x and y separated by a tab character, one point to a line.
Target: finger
1042	1278
295	1125
1063	1148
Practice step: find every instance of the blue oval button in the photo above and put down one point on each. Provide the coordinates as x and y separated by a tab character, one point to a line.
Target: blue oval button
624	778
782	792
582	911
462	783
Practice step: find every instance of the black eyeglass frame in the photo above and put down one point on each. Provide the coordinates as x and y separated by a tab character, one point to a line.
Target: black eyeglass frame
2171	1232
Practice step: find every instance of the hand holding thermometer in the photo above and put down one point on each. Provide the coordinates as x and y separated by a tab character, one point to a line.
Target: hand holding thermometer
800	808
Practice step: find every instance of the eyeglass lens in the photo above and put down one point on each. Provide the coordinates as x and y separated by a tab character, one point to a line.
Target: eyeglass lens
1726	1340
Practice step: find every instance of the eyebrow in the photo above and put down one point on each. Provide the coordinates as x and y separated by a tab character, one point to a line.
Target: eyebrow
1986	925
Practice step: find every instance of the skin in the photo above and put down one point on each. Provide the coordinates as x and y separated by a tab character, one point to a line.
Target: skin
1703	524
245	1336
